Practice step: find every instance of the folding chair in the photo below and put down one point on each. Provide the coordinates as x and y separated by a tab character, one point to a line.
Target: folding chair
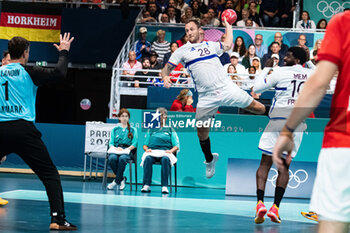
131	161
92	155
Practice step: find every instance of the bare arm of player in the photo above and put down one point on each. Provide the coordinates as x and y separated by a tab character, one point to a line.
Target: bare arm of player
227	44
309	98
165	75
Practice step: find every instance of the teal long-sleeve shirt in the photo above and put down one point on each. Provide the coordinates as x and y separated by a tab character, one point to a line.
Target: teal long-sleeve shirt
119	136
161	139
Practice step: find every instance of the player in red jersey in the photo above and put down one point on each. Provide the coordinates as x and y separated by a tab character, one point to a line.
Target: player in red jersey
331	193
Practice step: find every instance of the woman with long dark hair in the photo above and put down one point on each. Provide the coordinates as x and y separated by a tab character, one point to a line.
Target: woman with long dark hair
239	47
124	140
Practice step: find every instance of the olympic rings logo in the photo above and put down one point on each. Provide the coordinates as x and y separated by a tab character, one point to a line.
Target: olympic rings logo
328	10
293	178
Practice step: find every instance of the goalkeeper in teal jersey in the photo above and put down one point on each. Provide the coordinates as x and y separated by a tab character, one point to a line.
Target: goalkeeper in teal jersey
18	87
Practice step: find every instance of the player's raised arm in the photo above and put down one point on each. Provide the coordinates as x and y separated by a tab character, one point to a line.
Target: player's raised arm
227	44
165	74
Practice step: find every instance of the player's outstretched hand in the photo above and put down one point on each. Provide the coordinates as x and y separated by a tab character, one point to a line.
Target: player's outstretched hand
167	81
284	143
65	42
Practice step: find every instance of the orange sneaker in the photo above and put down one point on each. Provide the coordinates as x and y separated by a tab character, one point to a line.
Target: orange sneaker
273	214
260	213
3	201
310	215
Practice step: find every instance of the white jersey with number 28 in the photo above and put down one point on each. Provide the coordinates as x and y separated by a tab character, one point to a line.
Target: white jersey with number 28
202	61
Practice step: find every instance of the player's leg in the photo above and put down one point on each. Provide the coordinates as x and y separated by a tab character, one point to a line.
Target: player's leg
331	192
206	110
261	178
234	96
33	151
3	201
333	227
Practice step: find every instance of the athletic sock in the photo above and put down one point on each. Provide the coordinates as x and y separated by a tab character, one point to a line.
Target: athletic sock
279	192
260	195
205	145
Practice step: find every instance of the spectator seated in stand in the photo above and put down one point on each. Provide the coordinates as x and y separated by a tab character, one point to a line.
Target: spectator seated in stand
183	40
248	58
142	46
132	65
283	47
234	61
188	15
260	48
160	145
181	5
173	47
254	14
302	44
123	141
269	10
153	10
245	17
313	52
146	18
285	13
305	22
183	102
153	58
239	47
164	18
274	49
322	24
160	47
172	14
146	75
257	64
232	70
213	20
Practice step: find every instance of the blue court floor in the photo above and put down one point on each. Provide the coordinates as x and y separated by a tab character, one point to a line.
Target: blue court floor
95	210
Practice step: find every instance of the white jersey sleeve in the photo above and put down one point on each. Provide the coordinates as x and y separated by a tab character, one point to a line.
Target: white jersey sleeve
176	57
264	81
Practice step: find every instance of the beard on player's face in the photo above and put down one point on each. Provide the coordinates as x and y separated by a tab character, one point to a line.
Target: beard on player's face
193	37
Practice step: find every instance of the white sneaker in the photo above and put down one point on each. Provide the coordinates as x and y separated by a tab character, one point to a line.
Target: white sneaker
210	169
165	190
146	189
112	185
122	184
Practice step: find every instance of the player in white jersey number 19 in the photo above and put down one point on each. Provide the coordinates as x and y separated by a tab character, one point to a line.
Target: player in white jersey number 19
201	58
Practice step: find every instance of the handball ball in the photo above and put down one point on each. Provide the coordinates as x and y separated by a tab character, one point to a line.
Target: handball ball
230	15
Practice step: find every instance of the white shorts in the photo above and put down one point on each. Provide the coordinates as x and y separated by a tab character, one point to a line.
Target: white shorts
331	193
230	95
272	132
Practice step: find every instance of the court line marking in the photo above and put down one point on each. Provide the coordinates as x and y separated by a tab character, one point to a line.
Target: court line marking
288	211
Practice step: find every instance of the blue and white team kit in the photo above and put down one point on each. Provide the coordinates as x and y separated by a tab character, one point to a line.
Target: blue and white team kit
17	94
214	87
287	81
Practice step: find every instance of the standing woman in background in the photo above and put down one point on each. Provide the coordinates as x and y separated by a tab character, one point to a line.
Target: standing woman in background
124	139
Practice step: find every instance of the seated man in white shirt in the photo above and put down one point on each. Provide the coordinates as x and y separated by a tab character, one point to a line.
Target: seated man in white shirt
234	61
245	16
